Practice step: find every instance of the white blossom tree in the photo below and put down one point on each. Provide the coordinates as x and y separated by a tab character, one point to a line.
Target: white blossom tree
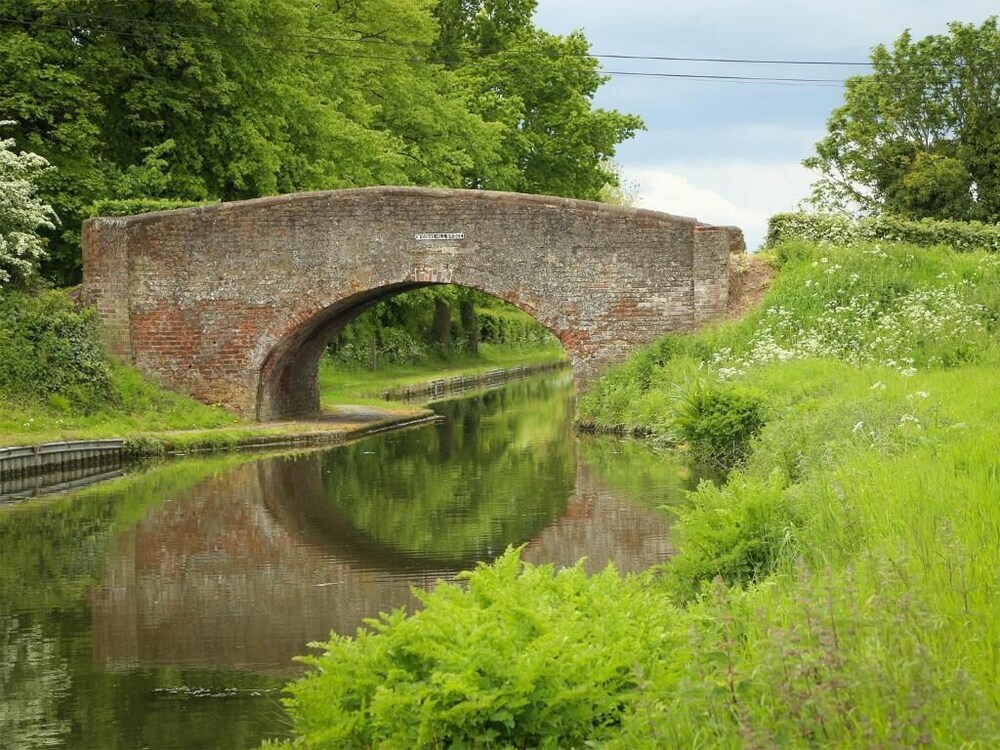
22	214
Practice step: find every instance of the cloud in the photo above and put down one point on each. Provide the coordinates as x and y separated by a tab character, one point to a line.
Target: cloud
737	27
719	141
745	194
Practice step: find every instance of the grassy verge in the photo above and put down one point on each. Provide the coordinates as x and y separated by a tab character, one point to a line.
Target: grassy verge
839	589
361	386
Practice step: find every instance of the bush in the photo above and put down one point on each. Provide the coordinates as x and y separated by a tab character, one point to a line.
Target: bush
718	420
50	353
521	657
22	214
507	326
132	206
738	532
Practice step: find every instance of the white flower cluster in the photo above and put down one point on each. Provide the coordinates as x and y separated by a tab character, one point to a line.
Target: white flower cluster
860	329
22	214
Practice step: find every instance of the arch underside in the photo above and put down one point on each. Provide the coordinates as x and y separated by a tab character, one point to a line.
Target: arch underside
288	380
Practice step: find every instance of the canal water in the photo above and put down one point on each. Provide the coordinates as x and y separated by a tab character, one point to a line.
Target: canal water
164	609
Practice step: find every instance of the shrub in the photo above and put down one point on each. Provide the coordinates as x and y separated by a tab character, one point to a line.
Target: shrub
718	420
22	214
841	230
519	657
50	353
132	206
506	326
738	532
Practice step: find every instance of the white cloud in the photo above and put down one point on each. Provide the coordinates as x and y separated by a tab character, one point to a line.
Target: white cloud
745	194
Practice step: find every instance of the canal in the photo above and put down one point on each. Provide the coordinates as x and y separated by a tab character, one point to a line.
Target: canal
164	609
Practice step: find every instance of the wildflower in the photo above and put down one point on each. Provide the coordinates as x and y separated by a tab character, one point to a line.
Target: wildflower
858	426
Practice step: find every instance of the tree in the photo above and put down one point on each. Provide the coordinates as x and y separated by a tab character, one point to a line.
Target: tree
920	135
22	213
539	88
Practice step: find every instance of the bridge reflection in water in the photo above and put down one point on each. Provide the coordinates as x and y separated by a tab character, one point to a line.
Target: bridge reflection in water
249	566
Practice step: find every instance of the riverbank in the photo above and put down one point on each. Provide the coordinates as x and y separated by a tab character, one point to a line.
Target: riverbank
838	589
390	383
355	403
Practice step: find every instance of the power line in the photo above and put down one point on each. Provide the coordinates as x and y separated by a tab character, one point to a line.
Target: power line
772	80
397	43
823	82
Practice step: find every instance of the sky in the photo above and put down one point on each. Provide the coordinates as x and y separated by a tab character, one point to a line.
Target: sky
731	152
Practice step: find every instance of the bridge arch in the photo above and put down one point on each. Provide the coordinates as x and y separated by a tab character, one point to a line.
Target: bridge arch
233	303
288	378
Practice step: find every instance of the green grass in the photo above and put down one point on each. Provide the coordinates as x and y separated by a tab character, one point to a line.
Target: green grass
340	385
839	589
140	407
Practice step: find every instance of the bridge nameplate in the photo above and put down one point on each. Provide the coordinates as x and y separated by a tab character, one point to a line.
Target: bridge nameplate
431	236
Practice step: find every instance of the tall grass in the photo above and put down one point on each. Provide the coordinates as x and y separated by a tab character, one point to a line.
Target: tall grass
839	589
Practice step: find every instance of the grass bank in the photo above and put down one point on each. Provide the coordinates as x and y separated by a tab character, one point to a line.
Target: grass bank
56	384
839	589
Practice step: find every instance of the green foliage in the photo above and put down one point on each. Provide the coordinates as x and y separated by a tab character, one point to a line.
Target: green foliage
503	325
428	324
55	379
538	89
839	230
918	135
718	421
845	659
50	351
738	532
131	206
519	656
136	446
229	99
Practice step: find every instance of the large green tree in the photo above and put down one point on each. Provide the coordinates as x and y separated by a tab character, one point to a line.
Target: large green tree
229	99
920	135
539	88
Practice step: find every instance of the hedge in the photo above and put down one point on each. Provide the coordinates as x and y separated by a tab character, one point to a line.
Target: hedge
842	230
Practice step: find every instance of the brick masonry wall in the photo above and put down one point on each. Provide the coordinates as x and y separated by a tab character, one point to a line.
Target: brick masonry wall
711	273
234	303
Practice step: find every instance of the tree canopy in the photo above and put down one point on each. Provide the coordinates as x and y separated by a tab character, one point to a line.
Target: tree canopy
229	99
920	135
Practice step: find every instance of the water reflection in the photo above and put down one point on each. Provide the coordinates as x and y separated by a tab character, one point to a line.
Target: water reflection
201	572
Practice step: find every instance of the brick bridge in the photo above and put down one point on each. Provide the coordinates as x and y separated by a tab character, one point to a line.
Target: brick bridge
234	303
